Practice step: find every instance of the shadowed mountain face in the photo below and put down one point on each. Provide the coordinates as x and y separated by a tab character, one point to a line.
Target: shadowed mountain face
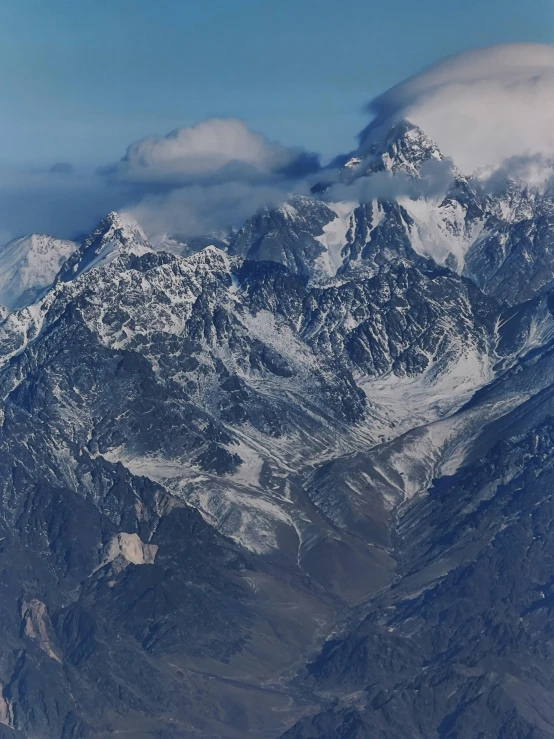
295	484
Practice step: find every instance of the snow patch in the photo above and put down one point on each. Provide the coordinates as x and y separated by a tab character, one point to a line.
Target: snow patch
440	230
334	239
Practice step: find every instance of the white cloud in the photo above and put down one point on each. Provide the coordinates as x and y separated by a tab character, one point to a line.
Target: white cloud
196	210
193	181
482	106
216	150
207	177
435	179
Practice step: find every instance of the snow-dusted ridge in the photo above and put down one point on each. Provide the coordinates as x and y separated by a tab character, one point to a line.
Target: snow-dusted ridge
117	234
335	423
213	328
380	339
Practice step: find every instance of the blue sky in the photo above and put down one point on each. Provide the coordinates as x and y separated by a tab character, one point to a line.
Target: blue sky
81	79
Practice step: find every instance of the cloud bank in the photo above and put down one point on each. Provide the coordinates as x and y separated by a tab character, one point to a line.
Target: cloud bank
208	177
193	181
213	151
482	106
199	210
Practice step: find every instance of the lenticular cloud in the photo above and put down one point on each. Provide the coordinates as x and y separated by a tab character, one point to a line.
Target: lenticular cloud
482	106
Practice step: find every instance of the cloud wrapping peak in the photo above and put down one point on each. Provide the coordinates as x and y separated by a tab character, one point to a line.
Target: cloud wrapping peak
491	110
211	152
435	177
482	106
208	177
197	210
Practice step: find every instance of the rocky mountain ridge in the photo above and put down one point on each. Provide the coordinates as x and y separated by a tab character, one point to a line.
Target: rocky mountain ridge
245	490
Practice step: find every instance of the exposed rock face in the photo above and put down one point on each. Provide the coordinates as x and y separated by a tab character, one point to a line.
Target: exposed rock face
125	549
287	235
296	483
37	626
516	240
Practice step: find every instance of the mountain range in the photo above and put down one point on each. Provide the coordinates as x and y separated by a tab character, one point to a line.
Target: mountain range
294	481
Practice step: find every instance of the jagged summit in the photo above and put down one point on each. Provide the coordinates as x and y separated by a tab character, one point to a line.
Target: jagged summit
400	147
116	234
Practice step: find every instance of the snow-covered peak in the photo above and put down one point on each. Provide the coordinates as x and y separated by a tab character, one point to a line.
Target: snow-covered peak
402	147
122	231
209	261
295	207
116	234
28	265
